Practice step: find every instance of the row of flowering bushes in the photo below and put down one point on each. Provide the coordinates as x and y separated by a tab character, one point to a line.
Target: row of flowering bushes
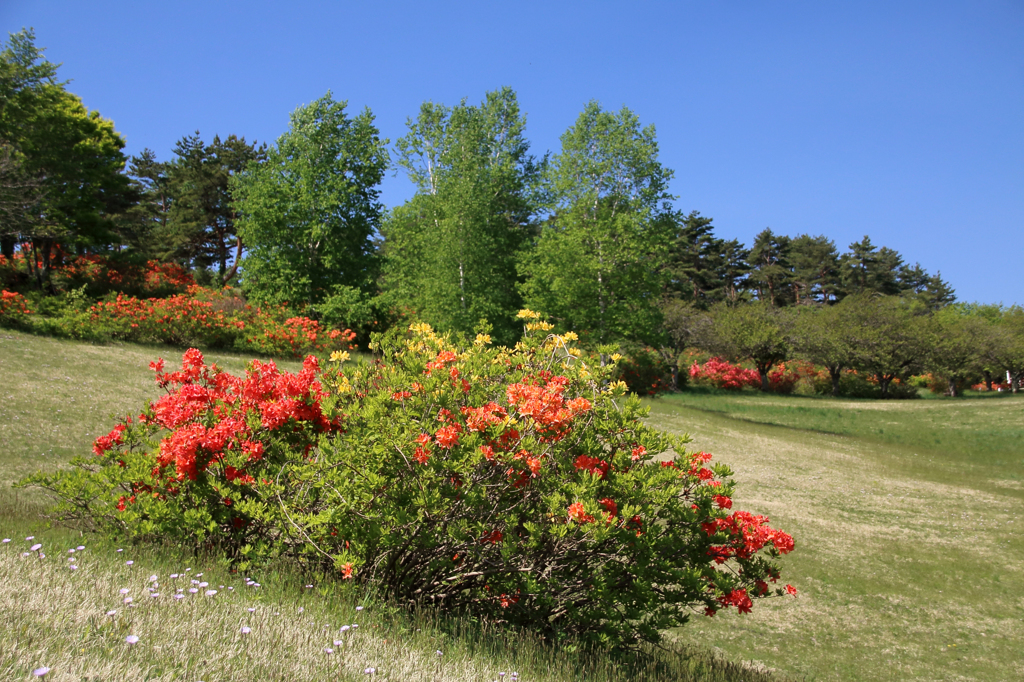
99	274
521	484
199	317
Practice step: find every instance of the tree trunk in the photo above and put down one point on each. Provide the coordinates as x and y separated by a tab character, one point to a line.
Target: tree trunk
835	373
883	383
988	380
952	388
7	244
764	377
675	377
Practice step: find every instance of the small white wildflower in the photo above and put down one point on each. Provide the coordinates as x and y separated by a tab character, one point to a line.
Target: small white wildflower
35	548
245	630
131	639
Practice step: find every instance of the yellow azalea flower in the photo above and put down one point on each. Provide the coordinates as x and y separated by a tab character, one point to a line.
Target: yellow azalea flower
526	314
420	328
340	356
571	336
482	340
543	326
616	357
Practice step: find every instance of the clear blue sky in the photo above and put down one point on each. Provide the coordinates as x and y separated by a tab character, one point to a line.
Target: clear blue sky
900	120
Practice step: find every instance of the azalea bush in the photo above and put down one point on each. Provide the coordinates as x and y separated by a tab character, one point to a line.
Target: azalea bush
14	309
721	374
520	485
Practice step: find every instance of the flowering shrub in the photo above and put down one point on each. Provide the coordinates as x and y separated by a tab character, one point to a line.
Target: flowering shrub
13	309
721	374
783	377
514	483
996	386
645	372
198	318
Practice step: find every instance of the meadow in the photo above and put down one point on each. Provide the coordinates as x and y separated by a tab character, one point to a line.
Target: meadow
906	515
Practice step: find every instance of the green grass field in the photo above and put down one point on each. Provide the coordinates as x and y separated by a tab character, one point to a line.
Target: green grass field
907	517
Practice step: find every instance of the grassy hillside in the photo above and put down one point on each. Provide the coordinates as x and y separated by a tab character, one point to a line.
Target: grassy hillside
57	396
907	517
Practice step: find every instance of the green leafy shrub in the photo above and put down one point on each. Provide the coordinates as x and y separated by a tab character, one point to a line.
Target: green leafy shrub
518	485
645	371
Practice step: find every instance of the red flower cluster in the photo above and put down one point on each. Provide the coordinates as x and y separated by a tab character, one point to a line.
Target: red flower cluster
211	414
13	306
546	406
596	466
197	317
746	534
722	374
578	514
738	598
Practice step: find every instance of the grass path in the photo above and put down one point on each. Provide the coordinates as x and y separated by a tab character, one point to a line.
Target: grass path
910	562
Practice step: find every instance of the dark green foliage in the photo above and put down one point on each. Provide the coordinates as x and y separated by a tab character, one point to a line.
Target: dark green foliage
195	211
771	273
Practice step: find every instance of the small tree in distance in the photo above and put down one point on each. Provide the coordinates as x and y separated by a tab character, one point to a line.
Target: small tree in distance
823	336
755	332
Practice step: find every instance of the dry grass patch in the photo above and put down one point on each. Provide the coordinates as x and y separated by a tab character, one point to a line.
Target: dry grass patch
902	576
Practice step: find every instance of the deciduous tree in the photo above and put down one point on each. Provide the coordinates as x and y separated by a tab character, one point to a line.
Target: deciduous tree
598	263
308	214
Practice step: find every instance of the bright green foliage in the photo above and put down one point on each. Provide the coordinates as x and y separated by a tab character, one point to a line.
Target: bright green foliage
1000	353
823	336
309	212
598	263
756	331
451	251
955	346
888	333
515	484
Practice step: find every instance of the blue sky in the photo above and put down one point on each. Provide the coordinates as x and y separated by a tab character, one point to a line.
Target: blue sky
900	120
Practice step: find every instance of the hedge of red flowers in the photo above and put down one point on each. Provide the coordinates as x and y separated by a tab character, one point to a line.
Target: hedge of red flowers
516	484
716	372
199	317
722	374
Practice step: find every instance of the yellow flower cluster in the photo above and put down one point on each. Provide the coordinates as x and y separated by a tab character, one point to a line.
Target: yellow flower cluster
340	356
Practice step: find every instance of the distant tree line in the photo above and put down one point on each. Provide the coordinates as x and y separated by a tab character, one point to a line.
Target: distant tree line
587	235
